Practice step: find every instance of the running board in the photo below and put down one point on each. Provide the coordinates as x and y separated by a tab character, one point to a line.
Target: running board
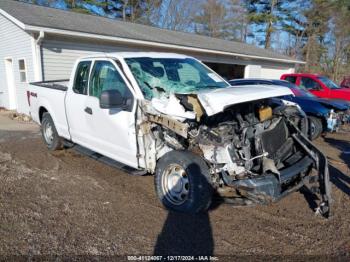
108	161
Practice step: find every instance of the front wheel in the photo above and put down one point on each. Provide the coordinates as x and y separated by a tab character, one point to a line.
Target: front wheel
315	127
49	133
182	182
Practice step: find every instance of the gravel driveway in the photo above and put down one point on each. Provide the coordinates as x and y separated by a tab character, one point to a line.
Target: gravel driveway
64	203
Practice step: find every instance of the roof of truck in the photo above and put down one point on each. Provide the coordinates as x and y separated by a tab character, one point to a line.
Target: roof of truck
136	54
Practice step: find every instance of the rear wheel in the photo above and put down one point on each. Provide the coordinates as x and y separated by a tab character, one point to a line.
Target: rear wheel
182	182
315	127
49	133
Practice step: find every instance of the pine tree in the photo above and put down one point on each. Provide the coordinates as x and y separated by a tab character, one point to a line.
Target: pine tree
264	15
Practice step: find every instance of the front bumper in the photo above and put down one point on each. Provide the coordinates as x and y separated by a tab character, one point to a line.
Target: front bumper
271	187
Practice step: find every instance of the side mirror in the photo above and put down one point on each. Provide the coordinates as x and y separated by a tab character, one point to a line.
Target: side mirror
111	99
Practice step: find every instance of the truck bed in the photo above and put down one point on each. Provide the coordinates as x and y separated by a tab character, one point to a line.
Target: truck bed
50	96
55	84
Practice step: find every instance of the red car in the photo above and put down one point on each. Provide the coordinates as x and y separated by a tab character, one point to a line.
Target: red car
320	86
346	82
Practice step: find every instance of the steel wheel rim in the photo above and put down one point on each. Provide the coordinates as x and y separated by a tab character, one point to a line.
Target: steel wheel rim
175	184
312	128
48	133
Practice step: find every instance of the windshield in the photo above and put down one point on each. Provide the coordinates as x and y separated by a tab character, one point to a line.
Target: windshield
159	76
329	83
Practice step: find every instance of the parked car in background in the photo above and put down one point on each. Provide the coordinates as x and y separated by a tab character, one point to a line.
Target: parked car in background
346	82
323	114
171	116
320	86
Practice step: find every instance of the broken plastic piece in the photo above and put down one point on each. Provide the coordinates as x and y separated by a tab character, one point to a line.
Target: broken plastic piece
172	107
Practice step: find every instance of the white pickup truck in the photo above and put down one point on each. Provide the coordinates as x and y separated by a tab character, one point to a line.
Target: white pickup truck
172	116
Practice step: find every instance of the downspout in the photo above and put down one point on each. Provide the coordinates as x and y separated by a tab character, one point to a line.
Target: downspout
40	38
38	42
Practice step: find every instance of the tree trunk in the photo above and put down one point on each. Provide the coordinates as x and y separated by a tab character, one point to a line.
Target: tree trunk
269	28
125	5
308	52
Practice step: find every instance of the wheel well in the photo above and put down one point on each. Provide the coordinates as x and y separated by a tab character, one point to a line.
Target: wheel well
42	110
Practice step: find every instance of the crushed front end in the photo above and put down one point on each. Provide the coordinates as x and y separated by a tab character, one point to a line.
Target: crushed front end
259	154
257	151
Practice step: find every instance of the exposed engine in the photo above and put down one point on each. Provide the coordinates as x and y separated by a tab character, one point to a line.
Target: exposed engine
255	151
245	140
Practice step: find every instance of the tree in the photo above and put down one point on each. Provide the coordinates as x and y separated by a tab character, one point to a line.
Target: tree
211	20
318	17
338	42
294	24
237	27
176	15
264	15
130	10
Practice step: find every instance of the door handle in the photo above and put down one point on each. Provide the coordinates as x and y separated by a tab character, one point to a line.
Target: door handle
88	110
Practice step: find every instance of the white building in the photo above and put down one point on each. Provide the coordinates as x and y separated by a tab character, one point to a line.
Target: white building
39	44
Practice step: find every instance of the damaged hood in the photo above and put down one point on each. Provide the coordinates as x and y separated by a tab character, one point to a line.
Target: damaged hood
217	100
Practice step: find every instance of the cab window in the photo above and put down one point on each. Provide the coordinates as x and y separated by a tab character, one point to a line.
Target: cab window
105	76
309	83
292	79
82	77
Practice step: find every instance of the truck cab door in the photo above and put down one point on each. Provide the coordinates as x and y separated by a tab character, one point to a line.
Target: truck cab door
313	86
75	102
111	131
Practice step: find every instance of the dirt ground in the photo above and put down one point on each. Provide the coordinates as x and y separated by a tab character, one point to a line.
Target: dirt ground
64	203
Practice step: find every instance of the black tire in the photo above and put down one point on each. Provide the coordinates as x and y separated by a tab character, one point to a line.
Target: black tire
315	127
56	142
200	191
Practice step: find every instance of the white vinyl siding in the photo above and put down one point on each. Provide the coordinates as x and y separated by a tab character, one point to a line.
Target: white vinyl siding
15	44
59	56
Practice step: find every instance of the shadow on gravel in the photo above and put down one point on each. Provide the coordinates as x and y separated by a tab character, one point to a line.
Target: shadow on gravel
310	197
339	179
186	234
343	146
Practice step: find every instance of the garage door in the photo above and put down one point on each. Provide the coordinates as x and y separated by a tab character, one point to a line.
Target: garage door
274	73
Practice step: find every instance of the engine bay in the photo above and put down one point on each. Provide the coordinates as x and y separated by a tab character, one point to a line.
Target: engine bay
256	151
245	140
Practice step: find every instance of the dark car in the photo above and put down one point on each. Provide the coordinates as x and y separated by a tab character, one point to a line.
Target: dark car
324	114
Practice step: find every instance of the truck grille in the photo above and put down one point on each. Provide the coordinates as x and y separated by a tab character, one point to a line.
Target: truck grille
273	139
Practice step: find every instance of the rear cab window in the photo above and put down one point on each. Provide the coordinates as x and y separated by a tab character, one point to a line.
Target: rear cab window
81	79
309	83
291	79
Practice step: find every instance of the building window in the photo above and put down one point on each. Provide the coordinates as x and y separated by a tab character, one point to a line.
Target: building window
22	70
